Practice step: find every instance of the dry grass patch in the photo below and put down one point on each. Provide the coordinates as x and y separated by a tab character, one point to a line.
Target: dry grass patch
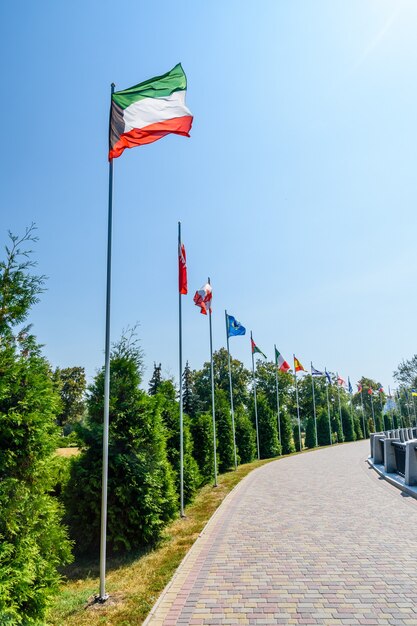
135	584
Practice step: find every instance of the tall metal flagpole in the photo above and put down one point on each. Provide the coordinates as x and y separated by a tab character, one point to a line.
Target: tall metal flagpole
254	397
413	402
372	406
277	388
363	415
104	479
314	401
382	413
328	409
298	408
351	405
212	396
231	388
392	413
399	409
340	406
180	377
407	405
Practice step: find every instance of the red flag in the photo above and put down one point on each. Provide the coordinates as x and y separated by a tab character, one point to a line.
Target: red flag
341	382
182	270
370	392
297	365
202	298
359	386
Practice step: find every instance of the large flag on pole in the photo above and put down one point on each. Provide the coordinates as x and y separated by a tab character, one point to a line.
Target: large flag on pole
282	364
202	298
149	111
234	327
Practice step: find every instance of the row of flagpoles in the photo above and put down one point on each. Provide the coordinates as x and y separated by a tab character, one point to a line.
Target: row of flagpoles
203	299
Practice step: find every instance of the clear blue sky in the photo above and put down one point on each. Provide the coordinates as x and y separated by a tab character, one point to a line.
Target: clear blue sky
297	190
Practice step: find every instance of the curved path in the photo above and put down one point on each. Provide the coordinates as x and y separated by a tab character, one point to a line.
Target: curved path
316	538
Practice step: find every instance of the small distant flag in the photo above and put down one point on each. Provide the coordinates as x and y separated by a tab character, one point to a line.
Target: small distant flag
350	388
281	362
340	381
329	380
297	365
234	327
370	392
414	392
359	386
203	298
255	349
381	390
315	372
182	270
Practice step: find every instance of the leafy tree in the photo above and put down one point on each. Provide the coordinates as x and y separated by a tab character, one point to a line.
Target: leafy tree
245	436
269	445
406	372
71	383
141	492
33	543
156	380
170	416
240	380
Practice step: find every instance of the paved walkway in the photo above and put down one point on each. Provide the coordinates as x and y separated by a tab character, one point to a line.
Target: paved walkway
316	538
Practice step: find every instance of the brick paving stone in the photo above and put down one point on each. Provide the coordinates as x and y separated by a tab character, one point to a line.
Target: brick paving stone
312	539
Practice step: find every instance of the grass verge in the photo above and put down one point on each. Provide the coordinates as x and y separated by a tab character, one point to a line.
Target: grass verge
134	584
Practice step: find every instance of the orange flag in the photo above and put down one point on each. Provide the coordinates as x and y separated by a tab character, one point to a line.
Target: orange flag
297	365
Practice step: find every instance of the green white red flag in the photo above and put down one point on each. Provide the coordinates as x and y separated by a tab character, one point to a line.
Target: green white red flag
149	111
255	348
281	362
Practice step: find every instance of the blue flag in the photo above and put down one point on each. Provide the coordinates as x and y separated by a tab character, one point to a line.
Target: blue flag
328	377
315	372
350	388
234	327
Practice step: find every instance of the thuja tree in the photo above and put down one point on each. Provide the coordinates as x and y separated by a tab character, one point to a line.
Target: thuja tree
269	445
33	543
224	432
141	491
245	436
169	409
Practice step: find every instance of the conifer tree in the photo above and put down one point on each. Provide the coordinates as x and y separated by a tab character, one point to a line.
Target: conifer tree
287	439
33	543
224	432
202	432
189	397
269	445
156	380
245	436
323	434
310	440
141	491
170	415
348	425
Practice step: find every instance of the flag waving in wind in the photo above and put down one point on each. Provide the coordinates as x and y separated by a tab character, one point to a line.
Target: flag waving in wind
149	111
340	381
329	380
350	388
203	298
234	327
359	386
297	365
182	270
315	372
281	362
255	349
